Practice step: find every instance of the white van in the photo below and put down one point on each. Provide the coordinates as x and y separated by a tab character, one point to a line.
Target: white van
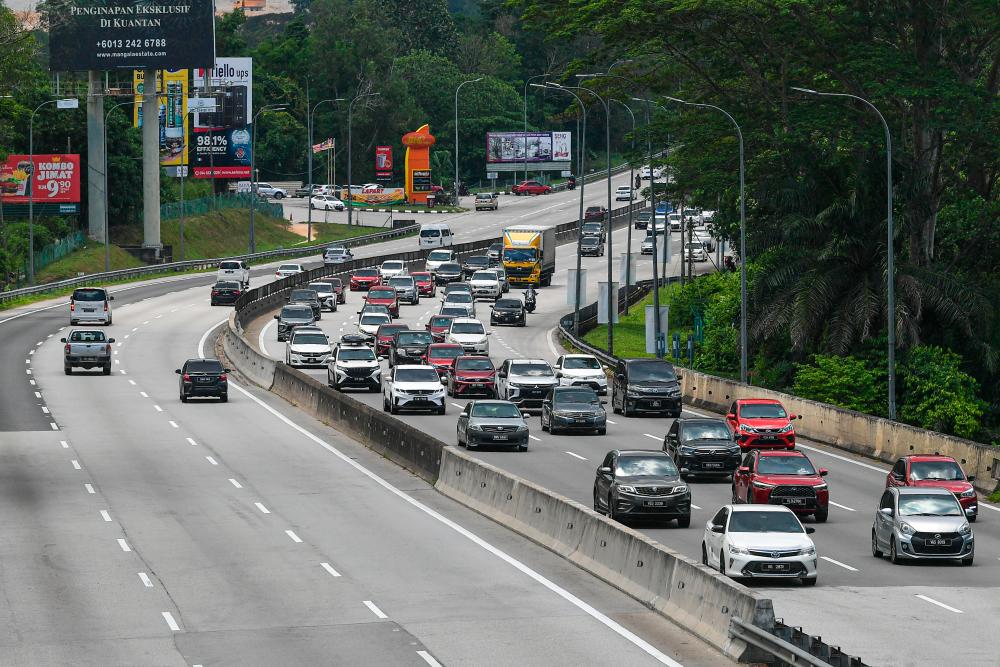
435	235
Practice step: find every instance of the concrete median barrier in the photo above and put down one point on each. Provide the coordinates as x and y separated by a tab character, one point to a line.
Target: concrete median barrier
247	361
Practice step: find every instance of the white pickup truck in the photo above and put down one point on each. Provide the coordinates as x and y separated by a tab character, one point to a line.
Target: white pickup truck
87	348
233	269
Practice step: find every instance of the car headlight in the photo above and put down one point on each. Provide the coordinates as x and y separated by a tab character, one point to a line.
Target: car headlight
763	485
734	448
742	551
681	488
808	551
820	487
475	427
747	429
684	449
675	391
966	529
971	493
785	429
624	488
906	529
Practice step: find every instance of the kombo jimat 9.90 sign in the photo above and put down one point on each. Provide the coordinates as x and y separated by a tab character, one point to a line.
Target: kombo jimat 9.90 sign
109	34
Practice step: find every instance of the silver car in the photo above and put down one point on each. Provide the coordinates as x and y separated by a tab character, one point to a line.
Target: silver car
914	523
90	304
492	423
406	289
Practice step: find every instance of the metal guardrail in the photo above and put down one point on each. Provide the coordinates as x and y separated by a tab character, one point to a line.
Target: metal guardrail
787	645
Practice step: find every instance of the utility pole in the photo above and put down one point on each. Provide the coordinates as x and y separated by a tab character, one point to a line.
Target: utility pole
150	162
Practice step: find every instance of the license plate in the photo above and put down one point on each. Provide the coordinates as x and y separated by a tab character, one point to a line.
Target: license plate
655	404
795	501
204	379
775	567
89	359
712	465
938	543
580	421
499	437
477	386
655	503
88	310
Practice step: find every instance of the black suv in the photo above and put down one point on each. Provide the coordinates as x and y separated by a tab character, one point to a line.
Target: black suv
508	311
409	347
646	386
642	219
475	263
308	297
592	246
702	446
641	484
203	377
573	409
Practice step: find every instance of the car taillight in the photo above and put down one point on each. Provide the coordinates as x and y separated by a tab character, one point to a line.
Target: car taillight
187	378
236	292
277	275
215	292
223	378
66	349
105	306
107	348
72	306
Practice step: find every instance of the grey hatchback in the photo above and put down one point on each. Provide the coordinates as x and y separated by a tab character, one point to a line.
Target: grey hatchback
492	423
921	523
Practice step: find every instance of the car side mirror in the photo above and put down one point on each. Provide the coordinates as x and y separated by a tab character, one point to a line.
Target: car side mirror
275	317
359	312
823	472
743	470
525	415
62	340
464	414
604	470
111	298
792	417
228	370
731	415
489	333
604	402
680	377
111	340
810	530
178	371
896	476
718	528
886	511
971	478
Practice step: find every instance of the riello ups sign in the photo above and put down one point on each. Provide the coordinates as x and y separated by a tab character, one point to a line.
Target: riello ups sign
111	34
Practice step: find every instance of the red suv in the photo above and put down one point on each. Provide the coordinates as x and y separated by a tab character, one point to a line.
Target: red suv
385	335
363	279
777	477
384	296
939	472
472	375
438	325
425	283
442	356
761	423
530	188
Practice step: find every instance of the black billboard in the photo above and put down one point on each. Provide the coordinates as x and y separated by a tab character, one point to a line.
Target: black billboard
112	34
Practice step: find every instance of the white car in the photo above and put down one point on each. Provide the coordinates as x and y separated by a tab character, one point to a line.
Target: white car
470	334
704	238
326	294
660	224
485	285
624	193
390	268
502	275
759	542
354	364
234	269
268	190
286	270
644	173
438	257
307	347
368	323
525	382
461	300
337	254
581	370
692	215
707	216
695	252
326	203
413	387
676	222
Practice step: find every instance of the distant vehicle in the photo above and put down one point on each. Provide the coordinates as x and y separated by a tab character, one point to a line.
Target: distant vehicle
326	203
385	336
425	283
307	348
327	294
761	423
286	270
233	269
225	293
646	248
472	375
624	193
268	190
307	297
337	254
384	296
461	300
573	409
645	173
495	251
438	257
487	201
592	229
365	279
454	310
435	235
642	219
485	285
934	470
913	523
581	370
90	304
406	288
779	477
508	311
391	267
676	222
448	272
595	214
368	324
438	325
692	215
759	542
702	446
292	316
641	484
413	387
372	308
87	348
475	263
353	364
525	382
695	252
470	334
501	276
529	254
492	423
457	287
530	188
646	385
203	377
704	238
592	246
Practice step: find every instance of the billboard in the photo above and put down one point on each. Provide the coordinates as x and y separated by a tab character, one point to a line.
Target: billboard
539	147
113	34
172	84
54	178
221	144
383	163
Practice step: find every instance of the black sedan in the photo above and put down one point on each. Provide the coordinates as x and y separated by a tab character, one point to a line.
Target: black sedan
409	347
226	292
702	446
573	409
449	272
307	297
475	263
203	377
641	484
508	311
492	423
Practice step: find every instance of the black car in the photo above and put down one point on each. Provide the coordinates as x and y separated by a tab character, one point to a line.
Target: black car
307	297
226	292
508	311
639	483
449	272
203	377
702	446
642	219
573	409
592	246
409	347
646	386
475	263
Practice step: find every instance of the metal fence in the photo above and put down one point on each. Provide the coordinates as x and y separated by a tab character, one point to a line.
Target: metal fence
56	251
201	205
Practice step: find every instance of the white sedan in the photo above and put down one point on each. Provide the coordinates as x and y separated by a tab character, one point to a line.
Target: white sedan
286	270
624	193
307	348
326	203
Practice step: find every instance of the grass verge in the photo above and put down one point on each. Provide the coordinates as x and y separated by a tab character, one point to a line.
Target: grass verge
630	332
88	259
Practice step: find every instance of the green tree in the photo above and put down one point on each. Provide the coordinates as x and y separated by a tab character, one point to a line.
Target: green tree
937	394
846	382
424	25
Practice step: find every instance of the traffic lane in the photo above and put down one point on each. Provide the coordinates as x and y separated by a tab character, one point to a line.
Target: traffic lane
322	498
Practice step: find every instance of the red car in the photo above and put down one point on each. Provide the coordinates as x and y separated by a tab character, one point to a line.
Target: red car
438	325
364	279
777	477
761	423
384	296
425	283
384	337
530	188
939	472
338	289
442	356
472	375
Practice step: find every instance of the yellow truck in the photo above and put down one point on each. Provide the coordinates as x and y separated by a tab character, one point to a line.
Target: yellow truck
529	254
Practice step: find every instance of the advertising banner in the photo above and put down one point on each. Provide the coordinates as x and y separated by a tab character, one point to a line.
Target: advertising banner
55	179
327	145
113	34
173	88
374	196
540	147
221	144
383	163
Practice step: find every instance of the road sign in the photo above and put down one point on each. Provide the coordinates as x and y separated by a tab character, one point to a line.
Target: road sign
491	175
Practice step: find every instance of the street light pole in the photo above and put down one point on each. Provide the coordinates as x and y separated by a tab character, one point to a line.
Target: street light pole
890	248
631	180
350	167
253	171
309	158
456	132
525	99
666	232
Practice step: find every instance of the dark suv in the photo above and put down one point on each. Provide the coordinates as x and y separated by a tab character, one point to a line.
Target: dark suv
646	386
641	484
475	263
203	377
307	297
409	347
702	446
292	316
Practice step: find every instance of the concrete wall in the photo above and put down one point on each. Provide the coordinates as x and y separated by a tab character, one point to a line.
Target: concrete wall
247	361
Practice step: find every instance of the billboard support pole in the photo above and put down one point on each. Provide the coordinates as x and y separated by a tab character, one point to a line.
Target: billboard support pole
150	162
97	181
104	200
309	160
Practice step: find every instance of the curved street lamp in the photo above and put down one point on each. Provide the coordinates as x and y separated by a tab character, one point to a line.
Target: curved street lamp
253	171
456	132
309	159
350	175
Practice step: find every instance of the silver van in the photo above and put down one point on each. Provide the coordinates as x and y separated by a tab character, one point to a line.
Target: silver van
90	304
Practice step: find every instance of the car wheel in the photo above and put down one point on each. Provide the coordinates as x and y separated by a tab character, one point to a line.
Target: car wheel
385	404
684	521
107	370
821	515
597	504
625	410
458	437
612	514
68	370
184	399
722	565
735	500
876	552
545	426
602	431
522	448
393	408
442	409
893	556
968	561
224	398
809	581
972	519
704	555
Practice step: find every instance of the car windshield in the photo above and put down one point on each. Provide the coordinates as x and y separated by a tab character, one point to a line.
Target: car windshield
508	303
336	282
947	471
430	233
89	295
520	255
421	276
415	338
417	375
391	329
651	371
381	294
590	240
366	273
785	465
592	226
658	466
484	195
439	256
374	318
458	287
357	354
474	364
764	522
540	370
706	431
337	250
296	312
929	505
441	321
459	297
467	328
576	396
762	411
693	246
401	281
391	265
589	363
455	311
478	260
229	265
496	410
87	337
450	267
321	287
299	294
204	366
310	339
444	352
289	267
227	285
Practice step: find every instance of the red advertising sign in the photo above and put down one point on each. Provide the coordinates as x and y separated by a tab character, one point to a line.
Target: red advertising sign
383	163
54	179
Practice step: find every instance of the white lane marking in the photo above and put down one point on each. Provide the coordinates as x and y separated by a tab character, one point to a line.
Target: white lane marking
45	410
65	445
117	361
611	422
429	659
261	346
120	371
134	329
175	310
375	610
609	623
173	423
650	435
191	441
838	563
211	460
158	408
118	344
90	488
42	341
31	382
131	382
144	394
171	623
263	510
843	507
694	507
841	458
106	516
27	371
76	464
158	316
124	545
534	438
989	507
235	483
940	604
291	534
27	361
127	335
576	456
147	321
458	406
31	351
116	353
144	578
328	568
